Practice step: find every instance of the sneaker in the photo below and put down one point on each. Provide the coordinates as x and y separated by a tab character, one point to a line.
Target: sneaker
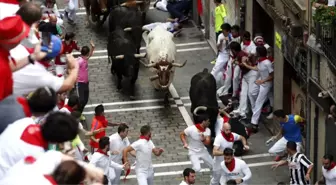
82	118
277	158
270	116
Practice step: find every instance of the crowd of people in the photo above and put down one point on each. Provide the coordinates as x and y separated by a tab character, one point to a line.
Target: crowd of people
41	107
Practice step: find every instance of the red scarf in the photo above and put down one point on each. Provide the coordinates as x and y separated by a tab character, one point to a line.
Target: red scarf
332	165
128	171
68	107
228	137
246	42
231	165
145	137
50	179
9	1
226	119
24	103
200	128
60	104
262	59
270	58
102	152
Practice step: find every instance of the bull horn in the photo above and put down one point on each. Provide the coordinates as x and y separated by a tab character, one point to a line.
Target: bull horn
128	29
119	57
148	65
138	2
142	55
152	78
198	109
179	65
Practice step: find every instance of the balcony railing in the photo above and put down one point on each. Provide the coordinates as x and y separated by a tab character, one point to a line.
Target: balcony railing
295	53
326	35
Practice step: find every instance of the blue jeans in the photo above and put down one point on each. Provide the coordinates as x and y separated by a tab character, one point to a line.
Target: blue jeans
179	9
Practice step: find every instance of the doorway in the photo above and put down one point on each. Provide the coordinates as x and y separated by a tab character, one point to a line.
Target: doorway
263	23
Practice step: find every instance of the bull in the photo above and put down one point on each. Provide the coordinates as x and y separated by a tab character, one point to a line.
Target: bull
96	9
203	97
130	20
125	60
161	54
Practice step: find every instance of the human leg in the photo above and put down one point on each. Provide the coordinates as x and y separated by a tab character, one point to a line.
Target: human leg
195	161
236	80
262	97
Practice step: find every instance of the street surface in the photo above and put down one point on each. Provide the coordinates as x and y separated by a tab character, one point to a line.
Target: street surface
148	108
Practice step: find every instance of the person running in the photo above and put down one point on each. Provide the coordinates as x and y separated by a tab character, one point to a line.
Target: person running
222	141
198	135
328	171
290	131
299	165
189	177
143	147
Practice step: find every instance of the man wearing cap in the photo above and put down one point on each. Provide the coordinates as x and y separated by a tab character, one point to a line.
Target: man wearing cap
13	30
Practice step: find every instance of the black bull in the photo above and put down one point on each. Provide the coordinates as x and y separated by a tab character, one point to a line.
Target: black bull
129	18
94	10
122	52
202	92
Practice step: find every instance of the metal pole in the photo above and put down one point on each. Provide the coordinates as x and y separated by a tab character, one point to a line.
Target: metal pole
308	101
207	16
194	11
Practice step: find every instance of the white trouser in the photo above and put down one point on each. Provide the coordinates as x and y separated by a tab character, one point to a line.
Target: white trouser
72	8
217	172
219	68
224	90
195	159
162	5
145	177
236	81
280	146
261	92
116	180
248	82
60	70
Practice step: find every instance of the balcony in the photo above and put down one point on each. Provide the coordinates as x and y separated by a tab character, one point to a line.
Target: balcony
326	35
295	53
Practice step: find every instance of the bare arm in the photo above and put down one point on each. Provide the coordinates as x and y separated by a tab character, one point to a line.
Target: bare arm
125	152
207	140
70	81
216	151
269	78
91	49
243	140
183	139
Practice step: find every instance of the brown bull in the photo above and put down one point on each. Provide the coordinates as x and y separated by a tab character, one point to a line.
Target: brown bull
96	9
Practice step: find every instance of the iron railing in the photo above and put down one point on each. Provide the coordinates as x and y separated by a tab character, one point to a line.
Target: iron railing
296	53
326	35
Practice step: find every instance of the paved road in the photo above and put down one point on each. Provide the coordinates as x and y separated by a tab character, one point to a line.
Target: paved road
167	123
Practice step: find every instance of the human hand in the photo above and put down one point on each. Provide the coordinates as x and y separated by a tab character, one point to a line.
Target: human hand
246	147
238	181
275	166
307	177
91	43
259	82
185	146
115	153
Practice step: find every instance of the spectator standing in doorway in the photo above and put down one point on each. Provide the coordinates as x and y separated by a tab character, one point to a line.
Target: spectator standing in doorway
220	14
83	76
299	165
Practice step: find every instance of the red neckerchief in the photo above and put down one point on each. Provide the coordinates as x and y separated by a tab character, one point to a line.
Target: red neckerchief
235	36
246	42
60	104
332	165
50	179
9	2
68	107
225	119
231	165
32	135
229	137
127	172
200	128
24	103
29	160
270	58
262	59
102	152
145	137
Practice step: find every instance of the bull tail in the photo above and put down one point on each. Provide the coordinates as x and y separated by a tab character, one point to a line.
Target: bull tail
205	70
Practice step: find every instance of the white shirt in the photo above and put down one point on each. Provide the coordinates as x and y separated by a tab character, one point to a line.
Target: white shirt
250	49
31	77
118	144
222	143
20	139
67	111
103	161
7	9
194	139
32	173
225	44
265	68
241	170
329	176
184	183
143	149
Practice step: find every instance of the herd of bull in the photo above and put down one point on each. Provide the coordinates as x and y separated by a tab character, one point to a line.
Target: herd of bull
126	20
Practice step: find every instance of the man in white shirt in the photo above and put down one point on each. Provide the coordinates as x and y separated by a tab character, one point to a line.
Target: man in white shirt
234	168
24	137
198	136
262	86
101	159
222	141
189	177
328	171
118	142
171	25
223	56
144	148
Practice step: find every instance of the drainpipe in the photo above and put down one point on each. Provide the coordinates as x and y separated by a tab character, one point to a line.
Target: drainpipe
316	135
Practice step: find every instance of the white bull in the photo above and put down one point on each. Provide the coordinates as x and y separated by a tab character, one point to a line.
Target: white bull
161	53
